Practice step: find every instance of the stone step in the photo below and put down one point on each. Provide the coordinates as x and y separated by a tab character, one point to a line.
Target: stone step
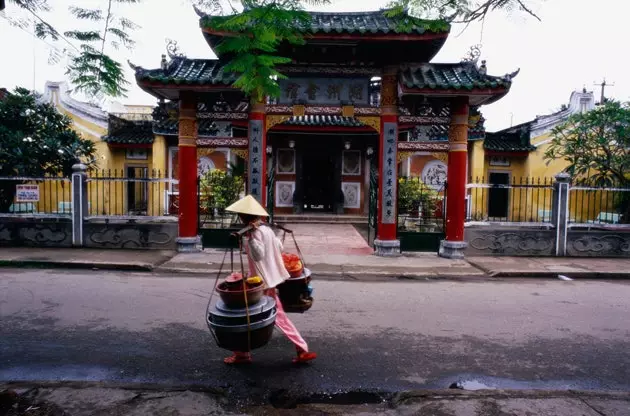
320	219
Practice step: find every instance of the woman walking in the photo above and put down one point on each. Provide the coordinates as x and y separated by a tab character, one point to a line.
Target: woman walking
264	255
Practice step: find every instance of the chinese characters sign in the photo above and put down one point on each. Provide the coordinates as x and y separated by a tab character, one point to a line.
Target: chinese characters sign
324	90
256	154
26	193
390	166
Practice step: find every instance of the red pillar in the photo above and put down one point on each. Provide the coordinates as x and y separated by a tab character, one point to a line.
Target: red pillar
386	242
257	166
187	173
454	245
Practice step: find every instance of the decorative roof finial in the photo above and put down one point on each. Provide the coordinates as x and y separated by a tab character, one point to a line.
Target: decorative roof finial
199	12
164	62
473	54
483	69
509	77
172	49
132	66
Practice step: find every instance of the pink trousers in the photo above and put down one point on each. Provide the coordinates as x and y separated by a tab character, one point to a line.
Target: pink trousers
284	324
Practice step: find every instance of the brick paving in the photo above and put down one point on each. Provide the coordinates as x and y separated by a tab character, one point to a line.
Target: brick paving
319	239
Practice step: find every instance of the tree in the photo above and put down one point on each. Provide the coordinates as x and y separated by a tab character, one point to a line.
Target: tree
596	144
36	141
261	26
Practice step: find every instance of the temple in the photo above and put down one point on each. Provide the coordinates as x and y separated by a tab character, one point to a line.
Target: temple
362	104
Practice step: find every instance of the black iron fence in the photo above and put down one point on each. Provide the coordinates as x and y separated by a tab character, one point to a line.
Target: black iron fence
499	199
595	203
134	191
37	195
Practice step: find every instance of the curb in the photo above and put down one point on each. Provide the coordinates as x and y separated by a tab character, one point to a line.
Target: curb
396	397
50	264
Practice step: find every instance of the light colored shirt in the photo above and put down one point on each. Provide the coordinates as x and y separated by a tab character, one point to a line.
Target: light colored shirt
264	254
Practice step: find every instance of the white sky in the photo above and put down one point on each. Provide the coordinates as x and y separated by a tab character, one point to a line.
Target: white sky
577	44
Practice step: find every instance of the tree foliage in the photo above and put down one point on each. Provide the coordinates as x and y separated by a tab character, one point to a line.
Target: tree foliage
35	141
596	144
460	11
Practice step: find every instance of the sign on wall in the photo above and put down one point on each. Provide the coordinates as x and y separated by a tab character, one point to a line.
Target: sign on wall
256	158
27	193
324	90
389	183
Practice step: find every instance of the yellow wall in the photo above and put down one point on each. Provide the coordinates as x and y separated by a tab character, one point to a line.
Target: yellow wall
109	197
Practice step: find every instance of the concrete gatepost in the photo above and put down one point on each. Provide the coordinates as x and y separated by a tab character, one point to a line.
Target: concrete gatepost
560	211
79	202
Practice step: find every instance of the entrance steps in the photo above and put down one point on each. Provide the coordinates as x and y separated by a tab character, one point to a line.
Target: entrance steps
320	219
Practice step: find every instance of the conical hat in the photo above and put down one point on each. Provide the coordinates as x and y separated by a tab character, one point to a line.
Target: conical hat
248	205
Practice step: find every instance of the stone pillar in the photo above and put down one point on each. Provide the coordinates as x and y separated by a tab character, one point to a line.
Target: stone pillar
560	211
386	242
188	239
454	245
257	166
79	203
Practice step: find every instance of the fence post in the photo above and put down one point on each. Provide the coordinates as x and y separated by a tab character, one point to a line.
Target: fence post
79	202
560	211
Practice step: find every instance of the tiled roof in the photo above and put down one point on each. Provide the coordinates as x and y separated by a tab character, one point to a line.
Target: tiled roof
185	71
122	131
130	137
323	121
462	76
507	142
374	22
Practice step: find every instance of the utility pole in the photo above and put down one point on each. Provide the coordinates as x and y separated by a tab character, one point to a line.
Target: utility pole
603	87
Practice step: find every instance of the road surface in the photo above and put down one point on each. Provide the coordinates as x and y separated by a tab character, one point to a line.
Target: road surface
133	327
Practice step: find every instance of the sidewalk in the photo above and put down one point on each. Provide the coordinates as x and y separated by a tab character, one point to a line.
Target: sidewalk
84	258
347	266
80	399
572	267
363	267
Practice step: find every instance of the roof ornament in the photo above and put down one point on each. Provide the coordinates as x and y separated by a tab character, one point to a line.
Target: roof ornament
164	63
135	68
473	54
173	49
483	69
509	77
199	12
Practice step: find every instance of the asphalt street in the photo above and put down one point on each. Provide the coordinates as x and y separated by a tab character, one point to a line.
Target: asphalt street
370	337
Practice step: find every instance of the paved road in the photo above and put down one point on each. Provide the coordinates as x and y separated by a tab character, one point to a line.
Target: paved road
370	336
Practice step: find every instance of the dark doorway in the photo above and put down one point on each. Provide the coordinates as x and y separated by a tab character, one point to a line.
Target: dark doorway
318	169
137	190
498	197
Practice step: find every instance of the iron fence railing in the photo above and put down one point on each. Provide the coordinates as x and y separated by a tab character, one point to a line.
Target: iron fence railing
134	191
36	195
593	203
421	205
522	200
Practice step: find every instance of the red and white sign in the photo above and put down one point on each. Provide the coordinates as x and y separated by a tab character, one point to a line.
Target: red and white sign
26	193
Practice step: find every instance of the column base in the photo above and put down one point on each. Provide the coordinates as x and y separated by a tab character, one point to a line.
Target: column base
452	249
189	244
387	248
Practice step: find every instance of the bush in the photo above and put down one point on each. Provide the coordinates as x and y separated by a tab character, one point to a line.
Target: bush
413	193
219	190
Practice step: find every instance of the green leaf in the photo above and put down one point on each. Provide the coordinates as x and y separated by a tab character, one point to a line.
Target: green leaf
92	36
86	14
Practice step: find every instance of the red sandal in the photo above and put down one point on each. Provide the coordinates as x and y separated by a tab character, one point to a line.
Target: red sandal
238	359
304	357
